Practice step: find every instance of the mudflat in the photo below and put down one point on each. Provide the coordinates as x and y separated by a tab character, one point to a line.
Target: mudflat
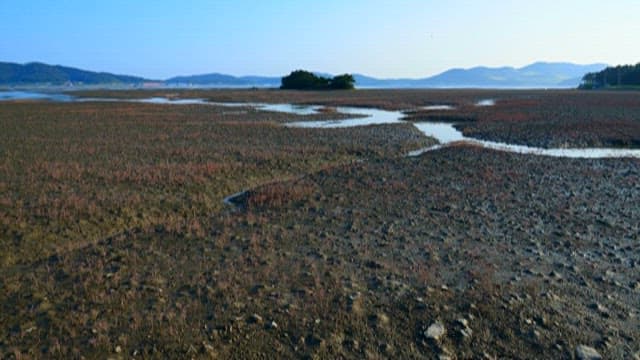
115	241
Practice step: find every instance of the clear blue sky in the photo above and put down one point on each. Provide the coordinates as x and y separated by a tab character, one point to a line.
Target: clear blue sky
401	38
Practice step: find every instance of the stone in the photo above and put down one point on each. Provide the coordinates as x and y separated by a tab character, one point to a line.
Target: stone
466	333
313	341
584	352
381	319
463	322
435	331
256	319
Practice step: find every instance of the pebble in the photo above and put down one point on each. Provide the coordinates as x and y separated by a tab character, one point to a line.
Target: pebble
584	352
435	331
255	318
487	356
381	319
466	333
272	325
313	341
541	320
463	322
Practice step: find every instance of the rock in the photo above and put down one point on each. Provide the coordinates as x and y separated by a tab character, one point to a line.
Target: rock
541	320
435	331
466	333
385	348
536	335
584	352
555	275
272	325
487	356
381	319
209	349
352	344
313	341
600	309
256	319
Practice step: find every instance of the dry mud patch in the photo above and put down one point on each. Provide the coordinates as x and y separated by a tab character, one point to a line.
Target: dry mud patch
515	256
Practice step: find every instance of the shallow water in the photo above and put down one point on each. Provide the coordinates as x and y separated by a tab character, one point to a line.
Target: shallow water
29	95
290	108
486	102
161	100
444	133
438	107
584	153
373	117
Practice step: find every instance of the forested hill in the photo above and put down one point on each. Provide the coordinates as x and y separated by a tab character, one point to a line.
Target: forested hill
622	76
39	73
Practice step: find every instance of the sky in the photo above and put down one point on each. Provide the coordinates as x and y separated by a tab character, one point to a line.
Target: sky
388	39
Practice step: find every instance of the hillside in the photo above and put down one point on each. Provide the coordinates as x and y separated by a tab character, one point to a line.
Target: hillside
39	74
536	75
224	80
616	77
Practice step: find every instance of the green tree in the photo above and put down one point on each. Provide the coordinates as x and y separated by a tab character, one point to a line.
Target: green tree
619	77
343	82
305	80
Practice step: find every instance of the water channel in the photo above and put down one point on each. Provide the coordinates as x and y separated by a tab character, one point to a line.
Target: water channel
445	133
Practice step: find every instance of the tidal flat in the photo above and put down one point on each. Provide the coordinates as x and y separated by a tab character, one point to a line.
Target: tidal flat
115	241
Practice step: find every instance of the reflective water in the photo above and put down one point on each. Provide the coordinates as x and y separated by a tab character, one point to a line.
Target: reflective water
286	108
486	102
161	100
447	134
373	117
290	108
585	153
438	107
28	95
444	133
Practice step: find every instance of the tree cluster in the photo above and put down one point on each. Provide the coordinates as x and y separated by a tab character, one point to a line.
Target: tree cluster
618	76
305	80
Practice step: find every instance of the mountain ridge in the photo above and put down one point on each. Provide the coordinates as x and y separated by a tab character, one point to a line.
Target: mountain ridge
536	75
40	73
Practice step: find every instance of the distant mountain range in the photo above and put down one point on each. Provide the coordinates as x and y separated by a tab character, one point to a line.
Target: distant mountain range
39	73
536	75
223	80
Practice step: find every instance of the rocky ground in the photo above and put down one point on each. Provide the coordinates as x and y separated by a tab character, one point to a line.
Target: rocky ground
459	253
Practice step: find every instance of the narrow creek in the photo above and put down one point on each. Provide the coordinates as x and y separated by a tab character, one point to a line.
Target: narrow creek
445	133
